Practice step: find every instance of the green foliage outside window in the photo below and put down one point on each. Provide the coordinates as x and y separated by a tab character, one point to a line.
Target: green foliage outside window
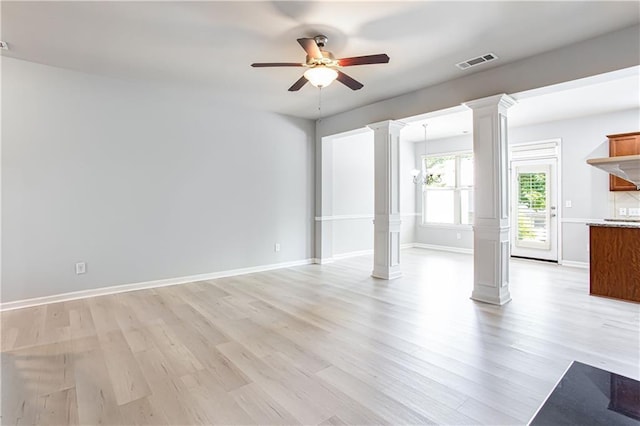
533	190
437	169
532	195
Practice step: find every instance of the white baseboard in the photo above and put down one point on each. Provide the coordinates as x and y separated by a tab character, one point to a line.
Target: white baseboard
356	216
572	264
444	248
103	291
325	261
352	254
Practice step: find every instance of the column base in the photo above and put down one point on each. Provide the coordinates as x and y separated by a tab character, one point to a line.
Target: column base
501	299
386	275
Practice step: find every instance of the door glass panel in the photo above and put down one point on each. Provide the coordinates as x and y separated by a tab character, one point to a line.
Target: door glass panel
532	212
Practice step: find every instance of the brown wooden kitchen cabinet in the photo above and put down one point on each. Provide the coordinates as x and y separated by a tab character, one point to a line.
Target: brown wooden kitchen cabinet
615	260
623	144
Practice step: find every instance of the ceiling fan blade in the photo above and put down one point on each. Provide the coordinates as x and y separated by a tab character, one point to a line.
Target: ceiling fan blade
276	64
298	84
349	82
309	45
364	60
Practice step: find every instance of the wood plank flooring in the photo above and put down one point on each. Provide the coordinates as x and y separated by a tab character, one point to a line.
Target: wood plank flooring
314	345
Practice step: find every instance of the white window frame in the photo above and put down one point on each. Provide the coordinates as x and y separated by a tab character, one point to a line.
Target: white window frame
456	191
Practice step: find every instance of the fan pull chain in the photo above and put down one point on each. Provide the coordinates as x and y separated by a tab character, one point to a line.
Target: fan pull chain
319	103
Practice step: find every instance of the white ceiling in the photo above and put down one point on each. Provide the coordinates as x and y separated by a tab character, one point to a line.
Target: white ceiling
209	46
616	91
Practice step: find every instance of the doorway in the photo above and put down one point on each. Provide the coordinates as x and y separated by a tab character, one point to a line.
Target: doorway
534	206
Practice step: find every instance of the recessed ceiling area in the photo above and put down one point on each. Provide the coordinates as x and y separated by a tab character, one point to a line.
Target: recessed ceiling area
209	46
615	91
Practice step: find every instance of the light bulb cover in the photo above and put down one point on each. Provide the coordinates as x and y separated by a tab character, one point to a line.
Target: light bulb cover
320	75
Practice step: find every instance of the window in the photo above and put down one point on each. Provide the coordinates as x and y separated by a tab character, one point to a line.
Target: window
448	193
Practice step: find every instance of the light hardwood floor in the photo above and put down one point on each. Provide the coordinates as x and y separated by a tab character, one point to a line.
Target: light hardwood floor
314	345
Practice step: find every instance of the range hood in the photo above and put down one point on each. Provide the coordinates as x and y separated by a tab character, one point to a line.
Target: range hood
626	167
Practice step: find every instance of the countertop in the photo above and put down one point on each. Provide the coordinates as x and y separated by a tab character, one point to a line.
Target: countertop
587	395
614	223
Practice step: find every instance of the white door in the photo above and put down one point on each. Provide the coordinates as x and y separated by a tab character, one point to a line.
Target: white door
534	223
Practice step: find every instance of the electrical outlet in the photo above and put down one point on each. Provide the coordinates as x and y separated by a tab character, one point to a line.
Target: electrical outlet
622	211
567	203
458	235
81	268
276	247
634	211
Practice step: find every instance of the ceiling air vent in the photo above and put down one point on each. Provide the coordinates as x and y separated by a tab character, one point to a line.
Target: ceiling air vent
476	61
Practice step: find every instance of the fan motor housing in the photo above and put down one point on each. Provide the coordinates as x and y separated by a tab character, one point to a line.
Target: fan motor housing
327	59
321	40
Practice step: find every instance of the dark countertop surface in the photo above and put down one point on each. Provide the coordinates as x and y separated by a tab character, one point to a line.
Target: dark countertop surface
587	395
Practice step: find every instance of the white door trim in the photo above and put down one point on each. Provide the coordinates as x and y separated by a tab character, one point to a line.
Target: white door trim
542	149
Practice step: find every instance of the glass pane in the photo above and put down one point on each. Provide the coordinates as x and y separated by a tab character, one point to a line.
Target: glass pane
532	207
439	206
466	206
441	171
466	170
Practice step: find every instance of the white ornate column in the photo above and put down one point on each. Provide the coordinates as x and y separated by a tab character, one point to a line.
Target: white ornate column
491	252
386	243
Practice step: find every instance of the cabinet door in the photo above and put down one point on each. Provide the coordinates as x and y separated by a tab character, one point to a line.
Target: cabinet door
623	145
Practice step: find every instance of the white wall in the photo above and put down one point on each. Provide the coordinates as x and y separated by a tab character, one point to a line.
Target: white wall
586	187
352	193
142	184
408	191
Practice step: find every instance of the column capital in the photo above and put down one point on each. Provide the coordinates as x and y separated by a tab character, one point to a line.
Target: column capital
391	124
502	100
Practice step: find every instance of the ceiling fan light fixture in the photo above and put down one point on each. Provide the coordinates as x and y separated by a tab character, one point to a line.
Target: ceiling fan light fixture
320	75
321	65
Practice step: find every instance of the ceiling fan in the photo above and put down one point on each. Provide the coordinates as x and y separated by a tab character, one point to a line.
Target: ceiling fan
323	68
